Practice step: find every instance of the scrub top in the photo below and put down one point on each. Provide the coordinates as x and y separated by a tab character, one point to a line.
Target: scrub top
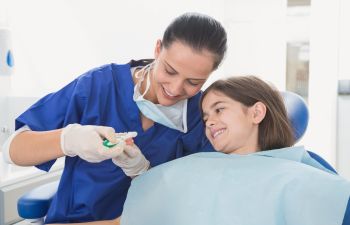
104	96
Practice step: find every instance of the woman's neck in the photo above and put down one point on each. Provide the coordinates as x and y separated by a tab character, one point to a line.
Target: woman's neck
150	95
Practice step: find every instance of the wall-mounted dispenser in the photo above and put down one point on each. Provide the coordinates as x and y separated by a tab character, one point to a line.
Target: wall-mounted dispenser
6	53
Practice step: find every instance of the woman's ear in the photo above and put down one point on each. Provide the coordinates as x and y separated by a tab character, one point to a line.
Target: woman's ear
158	48
259	112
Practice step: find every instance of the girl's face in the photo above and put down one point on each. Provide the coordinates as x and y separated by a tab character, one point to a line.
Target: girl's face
179	73
230	126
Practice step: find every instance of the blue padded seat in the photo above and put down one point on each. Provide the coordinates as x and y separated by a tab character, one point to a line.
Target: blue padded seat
35	203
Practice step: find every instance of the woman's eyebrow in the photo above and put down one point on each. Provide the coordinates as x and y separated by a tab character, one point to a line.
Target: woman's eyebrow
174	71
165	62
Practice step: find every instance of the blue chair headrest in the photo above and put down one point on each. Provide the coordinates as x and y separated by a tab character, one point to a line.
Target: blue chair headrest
297	111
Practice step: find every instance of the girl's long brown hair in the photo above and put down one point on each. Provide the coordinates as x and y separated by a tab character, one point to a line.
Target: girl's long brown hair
275	130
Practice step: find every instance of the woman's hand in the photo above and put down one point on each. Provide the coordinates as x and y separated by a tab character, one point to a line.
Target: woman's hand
87	142
132	161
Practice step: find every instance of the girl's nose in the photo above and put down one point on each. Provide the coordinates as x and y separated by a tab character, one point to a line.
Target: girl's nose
210	122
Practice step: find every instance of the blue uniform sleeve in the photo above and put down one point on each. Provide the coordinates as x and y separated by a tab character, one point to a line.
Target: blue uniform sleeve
321	161
55	111
195	140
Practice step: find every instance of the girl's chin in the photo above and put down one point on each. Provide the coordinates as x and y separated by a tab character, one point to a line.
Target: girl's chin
222	149
218	148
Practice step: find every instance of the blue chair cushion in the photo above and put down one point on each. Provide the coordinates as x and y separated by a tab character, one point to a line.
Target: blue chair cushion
35	203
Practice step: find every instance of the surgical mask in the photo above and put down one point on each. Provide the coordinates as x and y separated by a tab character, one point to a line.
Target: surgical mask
174	116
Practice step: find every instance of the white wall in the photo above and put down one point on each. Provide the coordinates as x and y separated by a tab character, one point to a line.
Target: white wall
324	59
344	37
257	43
55	41
343	122
329	61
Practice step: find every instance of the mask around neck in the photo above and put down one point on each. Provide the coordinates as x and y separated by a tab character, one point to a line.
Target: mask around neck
174	116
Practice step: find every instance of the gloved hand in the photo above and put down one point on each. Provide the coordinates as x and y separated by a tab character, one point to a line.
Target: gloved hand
132	161
87	142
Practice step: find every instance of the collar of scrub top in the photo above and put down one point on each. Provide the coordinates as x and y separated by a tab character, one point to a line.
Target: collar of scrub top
141	62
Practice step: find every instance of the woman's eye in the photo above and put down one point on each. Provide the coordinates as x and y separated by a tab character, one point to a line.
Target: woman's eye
170	72
193	83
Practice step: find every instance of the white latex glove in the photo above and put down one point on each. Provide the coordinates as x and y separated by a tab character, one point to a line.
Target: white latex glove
132	161
87	142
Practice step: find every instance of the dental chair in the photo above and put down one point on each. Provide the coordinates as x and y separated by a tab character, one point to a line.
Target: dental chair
33	205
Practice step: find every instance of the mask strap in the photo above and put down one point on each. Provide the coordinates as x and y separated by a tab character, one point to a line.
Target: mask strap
141	76
148	82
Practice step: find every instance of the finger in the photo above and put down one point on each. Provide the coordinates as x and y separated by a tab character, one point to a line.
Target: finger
107	132
129	141
126	135
115	151
121	158
132	151
131	134
120	137
111	152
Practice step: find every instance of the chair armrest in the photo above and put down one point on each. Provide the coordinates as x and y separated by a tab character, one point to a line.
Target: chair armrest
36	202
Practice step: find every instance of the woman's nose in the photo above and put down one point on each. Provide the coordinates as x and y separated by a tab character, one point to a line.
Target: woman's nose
177	87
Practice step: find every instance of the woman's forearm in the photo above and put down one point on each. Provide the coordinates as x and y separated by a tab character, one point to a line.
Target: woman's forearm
32	147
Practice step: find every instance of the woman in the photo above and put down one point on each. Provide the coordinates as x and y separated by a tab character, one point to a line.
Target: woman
156	98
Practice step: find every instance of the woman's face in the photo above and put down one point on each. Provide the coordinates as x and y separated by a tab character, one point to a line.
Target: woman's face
229	125
179	72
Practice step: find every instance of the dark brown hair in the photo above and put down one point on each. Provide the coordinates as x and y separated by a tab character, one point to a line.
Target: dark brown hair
275	130
200	32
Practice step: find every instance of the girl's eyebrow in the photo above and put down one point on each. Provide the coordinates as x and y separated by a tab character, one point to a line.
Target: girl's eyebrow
213	106
216	103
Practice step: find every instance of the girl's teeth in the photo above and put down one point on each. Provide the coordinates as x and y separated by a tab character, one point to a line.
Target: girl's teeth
218	133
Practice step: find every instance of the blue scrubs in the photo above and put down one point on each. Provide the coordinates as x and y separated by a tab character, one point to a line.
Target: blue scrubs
104	96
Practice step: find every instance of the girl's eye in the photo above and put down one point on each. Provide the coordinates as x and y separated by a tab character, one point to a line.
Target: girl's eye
218	110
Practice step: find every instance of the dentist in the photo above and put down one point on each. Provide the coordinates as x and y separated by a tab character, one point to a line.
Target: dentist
157	98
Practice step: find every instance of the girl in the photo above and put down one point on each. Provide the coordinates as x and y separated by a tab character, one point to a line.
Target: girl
255	177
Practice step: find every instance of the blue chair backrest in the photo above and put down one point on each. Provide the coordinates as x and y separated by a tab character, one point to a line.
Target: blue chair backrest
297	111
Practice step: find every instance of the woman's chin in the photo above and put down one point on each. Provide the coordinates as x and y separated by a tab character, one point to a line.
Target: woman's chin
166	101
